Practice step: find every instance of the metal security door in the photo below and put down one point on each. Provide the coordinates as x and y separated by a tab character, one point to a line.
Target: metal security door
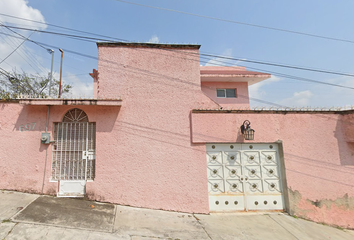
244	177
225	177
73	153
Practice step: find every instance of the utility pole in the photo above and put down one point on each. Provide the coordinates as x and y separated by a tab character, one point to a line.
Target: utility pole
61	69
51	51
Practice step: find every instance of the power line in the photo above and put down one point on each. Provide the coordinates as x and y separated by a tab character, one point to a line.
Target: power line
280	65
73	75
27	54
139	70
23	54
303	79
15	49
149	73
273	72
291	76
66	28
241	23
124	40
259	100
229	58
1	24
78	37
6	34
240	59
57	33
272	64
288	76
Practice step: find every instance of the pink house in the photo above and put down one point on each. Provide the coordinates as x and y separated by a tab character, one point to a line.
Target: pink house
163	132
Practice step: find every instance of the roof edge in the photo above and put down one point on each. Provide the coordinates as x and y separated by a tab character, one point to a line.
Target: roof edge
147	45
207	71
275	111
69	101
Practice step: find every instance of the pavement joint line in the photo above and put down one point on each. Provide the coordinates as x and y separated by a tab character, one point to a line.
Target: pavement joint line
12	218
283	226
114	218
198	220
134	235
10	231
62	226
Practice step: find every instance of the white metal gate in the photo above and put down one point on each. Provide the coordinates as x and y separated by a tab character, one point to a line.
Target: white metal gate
73	152
244	177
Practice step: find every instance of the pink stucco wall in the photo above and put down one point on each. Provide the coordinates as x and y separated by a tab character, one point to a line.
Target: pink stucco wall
319	162
22	156
348	127
21	153
148	160
144	154
241	100
150	151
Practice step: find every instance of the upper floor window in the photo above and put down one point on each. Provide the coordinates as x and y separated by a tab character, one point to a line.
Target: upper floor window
226	93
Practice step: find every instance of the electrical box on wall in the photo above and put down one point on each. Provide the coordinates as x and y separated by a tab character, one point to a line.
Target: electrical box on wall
45	139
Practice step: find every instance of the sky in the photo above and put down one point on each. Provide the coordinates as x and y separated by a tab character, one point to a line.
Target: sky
219	33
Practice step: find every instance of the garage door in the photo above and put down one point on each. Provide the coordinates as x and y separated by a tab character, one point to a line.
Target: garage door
244	177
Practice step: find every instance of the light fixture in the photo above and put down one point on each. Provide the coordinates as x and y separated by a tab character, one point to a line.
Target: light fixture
247	131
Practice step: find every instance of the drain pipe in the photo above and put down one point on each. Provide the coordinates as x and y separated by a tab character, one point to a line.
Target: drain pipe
61	69
46	151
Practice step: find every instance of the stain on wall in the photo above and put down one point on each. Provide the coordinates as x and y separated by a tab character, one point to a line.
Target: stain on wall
335	212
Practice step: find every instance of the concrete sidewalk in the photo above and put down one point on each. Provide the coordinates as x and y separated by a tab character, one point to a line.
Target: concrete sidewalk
31	216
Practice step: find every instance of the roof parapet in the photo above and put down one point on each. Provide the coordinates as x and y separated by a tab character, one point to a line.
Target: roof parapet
148	45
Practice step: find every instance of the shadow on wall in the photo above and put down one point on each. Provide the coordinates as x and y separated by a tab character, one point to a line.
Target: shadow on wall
345	136
31	118
104	116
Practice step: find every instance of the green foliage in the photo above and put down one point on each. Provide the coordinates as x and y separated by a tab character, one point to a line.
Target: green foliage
14	85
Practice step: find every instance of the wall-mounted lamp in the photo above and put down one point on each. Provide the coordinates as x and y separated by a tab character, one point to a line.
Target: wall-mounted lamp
247	131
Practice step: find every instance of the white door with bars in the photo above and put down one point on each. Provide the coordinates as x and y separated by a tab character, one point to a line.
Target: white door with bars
73	153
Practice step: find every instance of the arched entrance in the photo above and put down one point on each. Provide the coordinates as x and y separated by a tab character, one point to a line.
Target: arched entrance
74	148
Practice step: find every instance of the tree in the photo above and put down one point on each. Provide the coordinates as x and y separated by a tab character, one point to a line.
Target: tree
14	85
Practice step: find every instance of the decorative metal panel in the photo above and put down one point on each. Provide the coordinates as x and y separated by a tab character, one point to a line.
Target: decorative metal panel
246	174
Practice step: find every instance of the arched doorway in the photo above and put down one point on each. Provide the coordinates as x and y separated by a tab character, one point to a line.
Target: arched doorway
74	147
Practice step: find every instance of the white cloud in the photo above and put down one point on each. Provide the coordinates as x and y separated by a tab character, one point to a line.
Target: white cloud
257	90
154	39
299	99
343	81
332	96
219	61
21	9
79	88
22	58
